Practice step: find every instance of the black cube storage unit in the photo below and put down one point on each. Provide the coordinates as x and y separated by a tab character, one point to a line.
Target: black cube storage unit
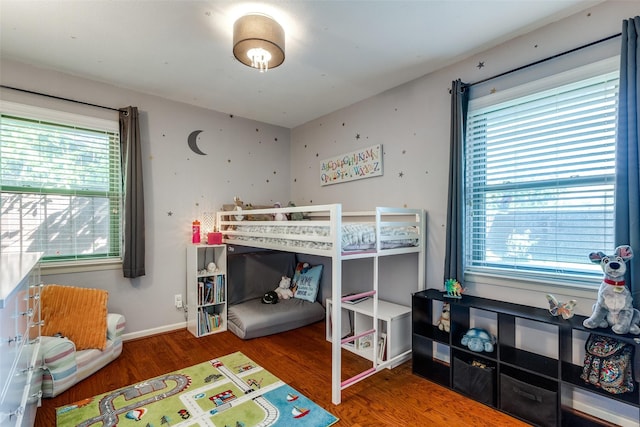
531	383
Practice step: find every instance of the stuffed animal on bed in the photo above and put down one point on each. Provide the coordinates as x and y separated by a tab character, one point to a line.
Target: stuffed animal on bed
614	306
284	288
279	216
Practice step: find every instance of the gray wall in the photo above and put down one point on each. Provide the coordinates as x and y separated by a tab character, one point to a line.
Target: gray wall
412	122
244	158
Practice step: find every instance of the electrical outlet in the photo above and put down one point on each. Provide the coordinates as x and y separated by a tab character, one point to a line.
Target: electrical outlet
177	300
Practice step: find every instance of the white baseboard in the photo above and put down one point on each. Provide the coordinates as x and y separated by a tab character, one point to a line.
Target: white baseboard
154	331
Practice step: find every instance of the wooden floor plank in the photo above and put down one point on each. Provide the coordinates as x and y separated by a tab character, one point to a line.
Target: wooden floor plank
301	358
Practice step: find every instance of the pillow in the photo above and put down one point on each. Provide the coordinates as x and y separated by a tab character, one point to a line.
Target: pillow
306	281
79	314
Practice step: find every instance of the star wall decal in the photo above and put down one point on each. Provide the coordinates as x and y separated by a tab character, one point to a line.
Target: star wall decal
357	136
480	64
401	175
169	213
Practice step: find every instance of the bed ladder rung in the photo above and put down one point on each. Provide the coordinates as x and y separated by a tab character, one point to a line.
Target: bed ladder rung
355	337
362	375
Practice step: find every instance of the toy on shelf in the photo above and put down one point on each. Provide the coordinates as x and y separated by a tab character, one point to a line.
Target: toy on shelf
444	323
564	309
614	306
453	289
478	340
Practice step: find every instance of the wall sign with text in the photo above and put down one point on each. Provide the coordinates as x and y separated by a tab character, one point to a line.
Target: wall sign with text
363	163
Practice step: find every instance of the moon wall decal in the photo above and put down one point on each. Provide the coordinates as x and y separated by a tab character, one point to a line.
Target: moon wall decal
193	144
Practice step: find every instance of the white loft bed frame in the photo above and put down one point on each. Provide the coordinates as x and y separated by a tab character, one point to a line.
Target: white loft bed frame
331	217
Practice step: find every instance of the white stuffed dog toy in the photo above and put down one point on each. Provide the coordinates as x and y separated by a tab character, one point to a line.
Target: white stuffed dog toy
283	290
614	306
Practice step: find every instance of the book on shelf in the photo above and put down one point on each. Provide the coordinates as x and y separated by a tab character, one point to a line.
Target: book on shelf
357	300
211	291
382	346
200	293
208	322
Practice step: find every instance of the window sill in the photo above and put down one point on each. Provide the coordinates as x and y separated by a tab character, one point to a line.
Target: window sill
577	289
79	266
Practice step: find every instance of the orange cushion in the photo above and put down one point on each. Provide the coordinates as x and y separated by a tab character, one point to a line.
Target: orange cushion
79	314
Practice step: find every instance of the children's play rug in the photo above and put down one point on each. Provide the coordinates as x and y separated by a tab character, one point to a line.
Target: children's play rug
230	391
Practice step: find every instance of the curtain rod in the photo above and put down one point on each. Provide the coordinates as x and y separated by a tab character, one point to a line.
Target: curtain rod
545	59
60	98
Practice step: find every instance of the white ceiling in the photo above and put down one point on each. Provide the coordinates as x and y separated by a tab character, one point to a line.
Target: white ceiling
337	52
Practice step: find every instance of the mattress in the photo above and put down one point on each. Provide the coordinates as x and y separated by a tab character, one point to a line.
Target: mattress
252	319
355	236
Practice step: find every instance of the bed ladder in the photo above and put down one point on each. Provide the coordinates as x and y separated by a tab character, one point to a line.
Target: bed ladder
336	384
373	331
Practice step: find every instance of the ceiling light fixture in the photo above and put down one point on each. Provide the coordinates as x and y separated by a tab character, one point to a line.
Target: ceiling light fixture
258	42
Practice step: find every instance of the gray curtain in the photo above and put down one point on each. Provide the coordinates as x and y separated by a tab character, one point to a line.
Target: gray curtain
454	257
133	217
627	186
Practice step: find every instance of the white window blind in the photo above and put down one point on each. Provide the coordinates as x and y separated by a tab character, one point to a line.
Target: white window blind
539	179
61	188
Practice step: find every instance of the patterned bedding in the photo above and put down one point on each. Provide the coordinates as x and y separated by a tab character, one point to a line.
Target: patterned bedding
355	236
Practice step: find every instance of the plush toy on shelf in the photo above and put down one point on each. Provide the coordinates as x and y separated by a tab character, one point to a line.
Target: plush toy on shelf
478	340
614	306
284	288
444	323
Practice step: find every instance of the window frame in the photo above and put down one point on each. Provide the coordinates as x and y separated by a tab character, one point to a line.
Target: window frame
112	258
581	284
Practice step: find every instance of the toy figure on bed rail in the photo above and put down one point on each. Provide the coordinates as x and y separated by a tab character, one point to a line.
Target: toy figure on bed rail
453	289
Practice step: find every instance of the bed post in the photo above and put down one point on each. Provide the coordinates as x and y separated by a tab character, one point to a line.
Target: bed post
422	217
336	308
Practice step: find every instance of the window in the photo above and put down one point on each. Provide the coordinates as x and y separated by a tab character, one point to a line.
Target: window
60	183
539	176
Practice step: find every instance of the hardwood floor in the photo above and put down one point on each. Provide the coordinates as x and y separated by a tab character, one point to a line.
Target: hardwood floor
302	359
